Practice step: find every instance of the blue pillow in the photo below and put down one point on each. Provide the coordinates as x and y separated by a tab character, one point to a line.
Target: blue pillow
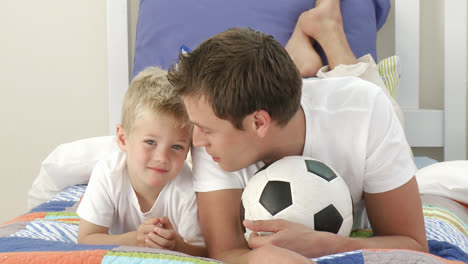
165	26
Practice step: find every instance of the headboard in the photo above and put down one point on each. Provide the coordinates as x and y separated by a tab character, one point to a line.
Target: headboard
424	127
429	127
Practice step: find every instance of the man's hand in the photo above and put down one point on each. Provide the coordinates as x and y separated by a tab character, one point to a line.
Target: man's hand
292	236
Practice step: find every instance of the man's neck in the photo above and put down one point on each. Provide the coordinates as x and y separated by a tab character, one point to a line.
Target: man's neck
288	140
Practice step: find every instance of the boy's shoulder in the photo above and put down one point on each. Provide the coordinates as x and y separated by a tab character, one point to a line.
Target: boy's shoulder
112	166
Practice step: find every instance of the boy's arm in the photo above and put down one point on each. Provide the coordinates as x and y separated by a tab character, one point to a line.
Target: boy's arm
90	233
219	214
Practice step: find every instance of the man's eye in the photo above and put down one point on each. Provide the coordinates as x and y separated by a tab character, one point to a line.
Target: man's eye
178	147
150	142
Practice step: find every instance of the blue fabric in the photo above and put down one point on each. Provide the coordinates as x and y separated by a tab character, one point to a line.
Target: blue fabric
354	257
53	206
164	26
20	244
447	250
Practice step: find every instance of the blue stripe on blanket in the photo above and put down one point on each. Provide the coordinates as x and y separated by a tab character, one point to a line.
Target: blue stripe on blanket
57	206
447	251
50	230
71	194
21	244
351	257
439	230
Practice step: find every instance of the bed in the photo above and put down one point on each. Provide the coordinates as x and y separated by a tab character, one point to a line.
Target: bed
48	232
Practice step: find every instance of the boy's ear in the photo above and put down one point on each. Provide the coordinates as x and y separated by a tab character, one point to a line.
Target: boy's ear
261	122
121	138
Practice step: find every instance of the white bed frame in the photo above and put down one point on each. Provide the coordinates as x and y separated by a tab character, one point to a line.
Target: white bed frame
424	127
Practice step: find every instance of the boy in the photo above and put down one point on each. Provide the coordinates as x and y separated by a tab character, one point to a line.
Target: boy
143	194
244	95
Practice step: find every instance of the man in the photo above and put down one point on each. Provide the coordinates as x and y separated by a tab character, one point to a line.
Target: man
243	94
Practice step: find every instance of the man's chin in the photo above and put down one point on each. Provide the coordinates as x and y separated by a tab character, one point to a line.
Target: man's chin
230	168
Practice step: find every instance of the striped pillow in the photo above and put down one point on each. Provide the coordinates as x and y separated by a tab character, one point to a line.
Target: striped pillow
389	70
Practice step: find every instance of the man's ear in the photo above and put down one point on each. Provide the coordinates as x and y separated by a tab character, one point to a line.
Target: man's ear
261	122
121	138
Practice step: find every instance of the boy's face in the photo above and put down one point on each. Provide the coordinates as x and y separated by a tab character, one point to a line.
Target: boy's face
156	150
231	148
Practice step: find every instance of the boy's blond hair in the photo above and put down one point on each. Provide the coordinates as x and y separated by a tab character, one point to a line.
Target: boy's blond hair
151	91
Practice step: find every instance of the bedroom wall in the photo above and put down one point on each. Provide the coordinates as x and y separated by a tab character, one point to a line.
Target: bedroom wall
53	86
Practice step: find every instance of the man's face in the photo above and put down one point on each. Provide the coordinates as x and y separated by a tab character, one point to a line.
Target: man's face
231	148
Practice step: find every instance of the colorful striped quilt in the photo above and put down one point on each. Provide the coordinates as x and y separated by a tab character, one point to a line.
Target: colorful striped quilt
48	234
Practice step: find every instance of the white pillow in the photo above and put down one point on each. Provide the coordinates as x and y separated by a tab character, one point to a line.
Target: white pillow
69	164
448	179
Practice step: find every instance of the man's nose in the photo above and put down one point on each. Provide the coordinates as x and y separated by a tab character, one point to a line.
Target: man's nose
199	137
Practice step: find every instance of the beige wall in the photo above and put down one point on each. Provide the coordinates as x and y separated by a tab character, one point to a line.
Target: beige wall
53	77
54	81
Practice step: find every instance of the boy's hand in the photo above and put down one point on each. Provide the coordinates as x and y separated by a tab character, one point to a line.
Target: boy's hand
163	235
142	232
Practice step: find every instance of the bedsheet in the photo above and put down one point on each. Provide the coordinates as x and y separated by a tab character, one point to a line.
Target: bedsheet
48	234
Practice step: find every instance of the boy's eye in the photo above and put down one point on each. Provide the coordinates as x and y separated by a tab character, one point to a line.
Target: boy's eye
150	142
178	147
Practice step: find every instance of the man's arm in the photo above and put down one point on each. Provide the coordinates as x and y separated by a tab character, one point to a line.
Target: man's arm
396	218
219	214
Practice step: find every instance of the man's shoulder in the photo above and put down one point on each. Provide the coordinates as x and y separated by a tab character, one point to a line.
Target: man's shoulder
339	92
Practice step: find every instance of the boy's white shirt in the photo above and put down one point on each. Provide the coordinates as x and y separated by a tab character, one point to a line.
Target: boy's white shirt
368	162
110	201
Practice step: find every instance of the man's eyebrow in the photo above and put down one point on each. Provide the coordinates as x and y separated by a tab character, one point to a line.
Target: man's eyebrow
198	125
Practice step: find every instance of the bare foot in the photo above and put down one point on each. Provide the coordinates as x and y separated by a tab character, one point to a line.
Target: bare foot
300	48
319	21
325	24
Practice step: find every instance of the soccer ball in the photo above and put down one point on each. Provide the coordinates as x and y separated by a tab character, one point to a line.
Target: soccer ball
301	190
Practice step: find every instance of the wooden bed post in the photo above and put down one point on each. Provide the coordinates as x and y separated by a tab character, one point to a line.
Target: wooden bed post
117	45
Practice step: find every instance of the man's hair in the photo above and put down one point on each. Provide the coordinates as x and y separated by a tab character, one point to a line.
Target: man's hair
150	91
238	72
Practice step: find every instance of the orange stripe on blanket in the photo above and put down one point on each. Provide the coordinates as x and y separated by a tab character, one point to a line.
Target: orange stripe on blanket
69	257
28	217
424	253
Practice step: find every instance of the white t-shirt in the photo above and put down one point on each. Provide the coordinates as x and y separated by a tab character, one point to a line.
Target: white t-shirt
350	126
110	201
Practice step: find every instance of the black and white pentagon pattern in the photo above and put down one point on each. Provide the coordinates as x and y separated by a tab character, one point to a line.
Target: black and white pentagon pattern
328	219
276	196
311	194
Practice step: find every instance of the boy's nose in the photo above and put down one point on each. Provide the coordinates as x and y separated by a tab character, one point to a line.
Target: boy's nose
161	154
